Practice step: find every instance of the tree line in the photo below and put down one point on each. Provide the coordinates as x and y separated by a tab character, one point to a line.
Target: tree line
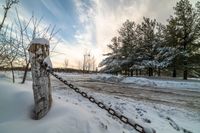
150	46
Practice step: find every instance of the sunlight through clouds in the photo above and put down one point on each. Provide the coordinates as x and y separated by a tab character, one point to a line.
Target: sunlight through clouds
89	25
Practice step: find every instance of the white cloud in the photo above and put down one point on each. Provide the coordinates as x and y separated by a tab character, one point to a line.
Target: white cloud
103	18
100	21
111	14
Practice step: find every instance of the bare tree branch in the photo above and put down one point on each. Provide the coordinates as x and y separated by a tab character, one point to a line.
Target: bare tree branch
7	6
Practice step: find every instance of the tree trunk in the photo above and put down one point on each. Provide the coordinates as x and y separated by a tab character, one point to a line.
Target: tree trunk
136	72
185	73
174	72
150	71
140	72
13	74
125	72
131	73
158	71
25	72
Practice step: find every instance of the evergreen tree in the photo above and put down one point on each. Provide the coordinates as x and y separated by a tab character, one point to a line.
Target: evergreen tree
129	42
111	64
153	46
153	50
147	44
164	54
172	39
188	25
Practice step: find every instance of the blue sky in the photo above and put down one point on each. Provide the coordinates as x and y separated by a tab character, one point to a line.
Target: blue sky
88	25
63	13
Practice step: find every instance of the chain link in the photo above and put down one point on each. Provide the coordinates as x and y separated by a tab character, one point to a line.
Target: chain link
111	111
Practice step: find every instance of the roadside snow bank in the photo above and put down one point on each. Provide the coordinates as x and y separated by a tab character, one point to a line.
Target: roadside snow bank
108	77
140	81
162	83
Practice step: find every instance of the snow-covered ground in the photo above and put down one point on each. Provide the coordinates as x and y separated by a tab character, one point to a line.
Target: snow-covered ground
71	113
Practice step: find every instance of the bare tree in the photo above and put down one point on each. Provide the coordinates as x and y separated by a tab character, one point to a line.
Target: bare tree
3	33
15	50
93	62
28	30
6	7
88	62
9	53
79	65
66	63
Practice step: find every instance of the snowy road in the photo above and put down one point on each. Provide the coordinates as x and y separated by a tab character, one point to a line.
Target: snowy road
177	110
183	98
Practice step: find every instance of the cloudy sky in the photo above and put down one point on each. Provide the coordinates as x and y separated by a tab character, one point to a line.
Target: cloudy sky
89	25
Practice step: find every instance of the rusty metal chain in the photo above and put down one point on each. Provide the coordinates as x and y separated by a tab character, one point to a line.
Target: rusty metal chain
111	111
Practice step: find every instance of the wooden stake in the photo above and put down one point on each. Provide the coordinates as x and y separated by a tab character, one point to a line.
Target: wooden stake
41	79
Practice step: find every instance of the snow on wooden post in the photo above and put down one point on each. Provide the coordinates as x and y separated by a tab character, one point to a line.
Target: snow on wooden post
39	52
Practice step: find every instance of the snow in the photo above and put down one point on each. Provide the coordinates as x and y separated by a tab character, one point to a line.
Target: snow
142	81
47	60
162	83
64	117
71	113
138	81
41	41
15	114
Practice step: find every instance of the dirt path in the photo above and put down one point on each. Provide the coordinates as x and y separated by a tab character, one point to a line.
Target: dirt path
188	99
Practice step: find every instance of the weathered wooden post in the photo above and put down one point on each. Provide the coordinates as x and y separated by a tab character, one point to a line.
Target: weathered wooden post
38	52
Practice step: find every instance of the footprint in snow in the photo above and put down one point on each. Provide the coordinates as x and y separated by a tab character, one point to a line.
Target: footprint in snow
140	111
146	120
94	112
174	125
186	131
104	126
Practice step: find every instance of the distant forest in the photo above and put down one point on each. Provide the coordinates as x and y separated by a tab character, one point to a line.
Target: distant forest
154	49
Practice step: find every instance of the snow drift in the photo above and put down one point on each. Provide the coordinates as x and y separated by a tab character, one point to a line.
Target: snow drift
16	103
142	81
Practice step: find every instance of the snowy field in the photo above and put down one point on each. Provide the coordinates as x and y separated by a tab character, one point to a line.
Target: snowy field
71	113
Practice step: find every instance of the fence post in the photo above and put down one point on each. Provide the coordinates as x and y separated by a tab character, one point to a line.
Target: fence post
38	51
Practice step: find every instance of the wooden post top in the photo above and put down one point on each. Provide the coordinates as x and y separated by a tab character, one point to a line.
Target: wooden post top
38	43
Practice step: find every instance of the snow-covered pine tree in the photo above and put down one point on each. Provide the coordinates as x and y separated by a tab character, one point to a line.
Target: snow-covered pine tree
111	64
163	55
148	44
188	30
128	37
172	40
154	54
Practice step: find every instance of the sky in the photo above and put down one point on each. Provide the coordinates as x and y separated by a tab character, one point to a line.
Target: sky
87	26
